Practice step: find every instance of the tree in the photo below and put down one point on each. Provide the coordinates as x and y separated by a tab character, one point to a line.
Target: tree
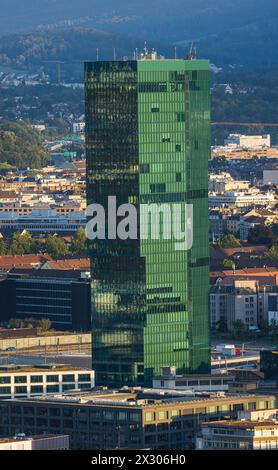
55	246
229	241
239	329
264	327
45	324
21	146
5	168
273	252
79	242
222	325
228	263
4	249
21	243
15	323
260	234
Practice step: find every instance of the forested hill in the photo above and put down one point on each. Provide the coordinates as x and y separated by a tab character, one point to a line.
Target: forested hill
65	45
241	32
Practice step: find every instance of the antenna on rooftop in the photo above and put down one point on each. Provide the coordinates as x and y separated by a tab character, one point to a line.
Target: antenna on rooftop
145	49
114	53
97	54
175	52
191	51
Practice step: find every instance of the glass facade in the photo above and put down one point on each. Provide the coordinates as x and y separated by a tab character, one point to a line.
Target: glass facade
148	142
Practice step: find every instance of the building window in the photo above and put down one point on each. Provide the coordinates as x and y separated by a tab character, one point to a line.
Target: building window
36	379
144	168
5	380
37	389
68	378
181	117
52	378
178	177
52	388
22	379
158	188
150	416
21	389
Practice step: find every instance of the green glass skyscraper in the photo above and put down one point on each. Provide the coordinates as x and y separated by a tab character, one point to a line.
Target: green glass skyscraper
148	142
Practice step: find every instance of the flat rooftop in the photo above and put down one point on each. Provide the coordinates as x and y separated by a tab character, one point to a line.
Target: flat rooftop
17	368
6	440
139	398
245	424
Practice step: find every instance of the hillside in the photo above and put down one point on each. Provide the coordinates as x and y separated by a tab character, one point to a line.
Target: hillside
227	31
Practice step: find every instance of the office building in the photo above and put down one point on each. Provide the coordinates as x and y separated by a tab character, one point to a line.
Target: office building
61	296
126	419
148	142
18	381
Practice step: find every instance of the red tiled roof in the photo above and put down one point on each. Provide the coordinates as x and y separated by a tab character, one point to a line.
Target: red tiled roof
23	261
262	280
68	264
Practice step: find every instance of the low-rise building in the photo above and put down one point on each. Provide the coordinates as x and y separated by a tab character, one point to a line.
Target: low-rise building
169	380
45	442
126	418
29	381
42	222
248	141
243	434
242	199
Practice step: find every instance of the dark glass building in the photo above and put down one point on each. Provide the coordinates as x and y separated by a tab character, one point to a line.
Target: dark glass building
148	142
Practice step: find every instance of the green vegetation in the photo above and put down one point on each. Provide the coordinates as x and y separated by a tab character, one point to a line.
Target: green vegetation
254	99
21	146
23	243
79	242
56	247
43	324
228	263
260	234
71	46
229	241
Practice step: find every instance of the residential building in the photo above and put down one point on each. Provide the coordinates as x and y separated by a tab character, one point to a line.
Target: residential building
244	300
270	176
29	381
78	127
223	182
126	419
148	141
